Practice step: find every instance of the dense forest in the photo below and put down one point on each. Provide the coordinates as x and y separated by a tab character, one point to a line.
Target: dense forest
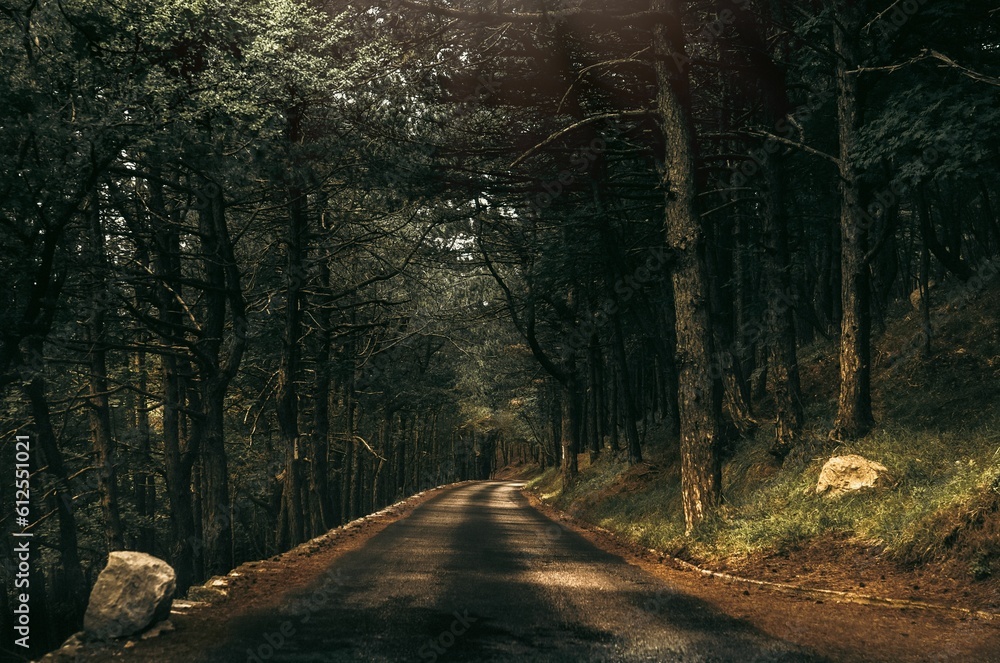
270	266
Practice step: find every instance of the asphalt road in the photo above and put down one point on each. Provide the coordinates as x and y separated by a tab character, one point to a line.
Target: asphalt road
476	574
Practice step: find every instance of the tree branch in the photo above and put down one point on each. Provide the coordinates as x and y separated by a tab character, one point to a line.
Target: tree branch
929	54
573	127
792	143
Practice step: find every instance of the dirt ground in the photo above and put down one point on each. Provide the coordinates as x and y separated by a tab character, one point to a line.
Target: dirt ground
842	629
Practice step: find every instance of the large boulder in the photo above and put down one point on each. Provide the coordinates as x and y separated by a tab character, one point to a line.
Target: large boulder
134	591
845	474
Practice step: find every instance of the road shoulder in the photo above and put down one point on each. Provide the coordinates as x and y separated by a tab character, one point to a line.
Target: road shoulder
845	631
252	588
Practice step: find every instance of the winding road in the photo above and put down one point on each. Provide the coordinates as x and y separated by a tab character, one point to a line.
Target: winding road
477	574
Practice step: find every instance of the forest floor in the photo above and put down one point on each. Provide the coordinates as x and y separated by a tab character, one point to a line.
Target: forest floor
540	586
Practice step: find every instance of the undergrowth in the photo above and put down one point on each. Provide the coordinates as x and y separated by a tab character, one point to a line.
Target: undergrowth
940	441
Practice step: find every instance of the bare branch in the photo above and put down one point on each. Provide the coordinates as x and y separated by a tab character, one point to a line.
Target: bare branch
608	63
573	127
792	143
928	54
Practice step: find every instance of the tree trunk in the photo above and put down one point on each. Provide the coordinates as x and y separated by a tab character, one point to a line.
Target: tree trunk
406	426
629	410
729	356
698	400
613	411
177	461
780	321
177	469
357	480
595	438
144	483
555	418
570	402
854	416
69	590
321	509
925	301
222	279
288	371
100	412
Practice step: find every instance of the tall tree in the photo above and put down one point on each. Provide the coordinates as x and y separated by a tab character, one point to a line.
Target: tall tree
854	405
700	409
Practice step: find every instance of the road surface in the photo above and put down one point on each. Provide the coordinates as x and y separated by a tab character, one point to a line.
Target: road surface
476	574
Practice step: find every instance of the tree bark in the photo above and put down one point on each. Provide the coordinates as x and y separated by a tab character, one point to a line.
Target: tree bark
627	396
570	429
595	437
698	400
217	371
555	419
321	508
144	483
925	301
177	460
854	416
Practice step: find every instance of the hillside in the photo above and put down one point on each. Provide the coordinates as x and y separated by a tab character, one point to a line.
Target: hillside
933	536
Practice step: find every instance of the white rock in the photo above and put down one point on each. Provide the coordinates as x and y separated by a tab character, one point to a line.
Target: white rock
845	474
133	591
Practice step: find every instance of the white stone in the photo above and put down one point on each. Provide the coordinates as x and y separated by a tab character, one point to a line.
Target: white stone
844	474
134	591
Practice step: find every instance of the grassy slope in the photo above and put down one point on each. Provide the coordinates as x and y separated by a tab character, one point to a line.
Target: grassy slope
939	435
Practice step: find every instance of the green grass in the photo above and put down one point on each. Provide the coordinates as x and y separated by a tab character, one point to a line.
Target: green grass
933	473
939	480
